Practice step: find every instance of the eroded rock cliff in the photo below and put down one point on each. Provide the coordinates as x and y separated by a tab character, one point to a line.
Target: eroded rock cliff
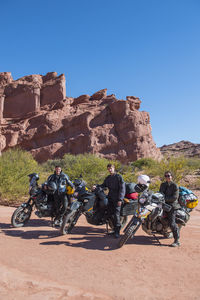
36	115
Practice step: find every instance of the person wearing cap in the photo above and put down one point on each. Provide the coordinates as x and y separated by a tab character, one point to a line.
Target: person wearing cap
171	192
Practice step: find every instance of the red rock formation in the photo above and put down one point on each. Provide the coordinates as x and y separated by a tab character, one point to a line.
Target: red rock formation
49	124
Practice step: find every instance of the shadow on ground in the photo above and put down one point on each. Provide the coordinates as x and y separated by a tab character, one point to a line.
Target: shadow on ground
82	236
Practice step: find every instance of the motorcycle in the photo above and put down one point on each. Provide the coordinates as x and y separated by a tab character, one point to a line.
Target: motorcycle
94	206
151	215
41	199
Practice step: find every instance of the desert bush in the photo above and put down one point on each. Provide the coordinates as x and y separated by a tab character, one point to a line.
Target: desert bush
193	163
15	165
143	163
93	169
178	167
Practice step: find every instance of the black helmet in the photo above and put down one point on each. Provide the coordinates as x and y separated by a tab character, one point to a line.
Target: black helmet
139	188
78	182
33	175
51	187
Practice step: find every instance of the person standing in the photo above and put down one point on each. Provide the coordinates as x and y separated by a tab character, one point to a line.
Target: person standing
116	185
171	192
60	196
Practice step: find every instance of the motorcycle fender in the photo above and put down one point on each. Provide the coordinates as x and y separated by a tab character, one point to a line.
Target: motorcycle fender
75	205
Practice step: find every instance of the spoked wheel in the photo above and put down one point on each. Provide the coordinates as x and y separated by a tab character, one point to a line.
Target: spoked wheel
20	216
128	233
69	221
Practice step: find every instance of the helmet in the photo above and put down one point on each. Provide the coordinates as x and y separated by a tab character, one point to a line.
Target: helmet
78	182
51	187
70	190
144	179
33	175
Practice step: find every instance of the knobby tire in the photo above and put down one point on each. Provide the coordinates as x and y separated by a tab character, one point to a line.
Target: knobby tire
128	233
20	216
68	222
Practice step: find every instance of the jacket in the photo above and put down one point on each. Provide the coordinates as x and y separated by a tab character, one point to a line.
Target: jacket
116	186
171	192
61	181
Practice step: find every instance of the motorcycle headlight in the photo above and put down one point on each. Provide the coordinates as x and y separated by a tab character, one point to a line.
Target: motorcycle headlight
142	200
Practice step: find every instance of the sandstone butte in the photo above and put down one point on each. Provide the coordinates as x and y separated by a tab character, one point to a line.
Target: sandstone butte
36	115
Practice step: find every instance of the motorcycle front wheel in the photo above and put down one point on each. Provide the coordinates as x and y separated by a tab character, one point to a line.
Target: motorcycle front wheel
20	216
69	221
128	233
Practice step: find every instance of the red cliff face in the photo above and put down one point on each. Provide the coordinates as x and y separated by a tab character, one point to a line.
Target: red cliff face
36	115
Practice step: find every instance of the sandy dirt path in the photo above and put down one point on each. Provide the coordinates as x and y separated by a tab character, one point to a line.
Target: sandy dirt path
37	263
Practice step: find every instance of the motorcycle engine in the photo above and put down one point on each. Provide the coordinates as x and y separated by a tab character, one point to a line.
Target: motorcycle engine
159	227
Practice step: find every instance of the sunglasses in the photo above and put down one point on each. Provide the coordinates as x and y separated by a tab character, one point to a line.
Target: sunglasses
168	175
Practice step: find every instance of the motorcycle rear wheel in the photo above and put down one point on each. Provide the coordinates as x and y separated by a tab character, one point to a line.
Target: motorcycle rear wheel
68	222
128	233
20	216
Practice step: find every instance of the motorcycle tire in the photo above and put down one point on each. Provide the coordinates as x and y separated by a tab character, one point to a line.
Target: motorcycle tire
129	232
21	216
68	222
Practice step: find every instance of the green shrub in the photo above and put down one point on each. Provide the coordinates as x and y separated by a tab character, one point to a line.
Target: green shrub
144	163
15	165
92	168
193	163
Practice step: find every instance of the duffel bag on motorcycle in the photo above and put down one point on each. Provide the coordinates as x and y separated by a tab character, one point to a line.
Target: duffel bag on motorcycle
187	198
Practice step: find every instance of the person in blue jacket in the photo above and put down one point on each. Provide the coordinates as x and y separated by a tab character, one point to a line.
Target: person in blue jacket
60	197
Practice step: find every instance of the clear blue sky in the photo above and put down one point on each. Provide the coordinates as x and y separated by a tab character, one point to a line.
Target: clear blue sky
145	48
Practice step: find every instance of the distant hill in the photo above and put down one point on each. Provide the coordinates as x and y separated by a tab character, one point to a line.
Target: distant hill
185	148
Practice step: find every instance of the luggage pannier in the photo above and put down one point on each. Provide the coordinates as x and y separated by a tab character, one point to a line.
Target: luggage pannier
129	208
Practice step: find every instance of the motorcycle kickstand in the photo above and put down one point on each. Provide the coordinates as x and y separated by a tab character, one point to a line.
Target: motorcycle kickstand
107	227
52	222
157	239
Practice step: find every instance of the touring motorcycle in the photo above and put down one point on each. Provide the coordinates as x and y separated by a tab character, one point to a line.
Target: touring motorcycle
41	199
94	206
151	215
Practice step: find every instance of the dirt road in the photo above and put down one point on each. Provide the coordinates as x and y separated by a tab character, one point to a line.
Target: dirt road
37	263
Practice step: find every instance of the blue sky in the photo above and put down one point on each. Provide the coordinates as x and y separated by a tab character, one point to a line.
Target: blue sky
144	48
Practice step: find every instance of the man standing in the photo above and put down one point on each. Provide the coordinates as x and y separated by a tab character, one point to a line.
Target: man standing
60	196
171	192
116	185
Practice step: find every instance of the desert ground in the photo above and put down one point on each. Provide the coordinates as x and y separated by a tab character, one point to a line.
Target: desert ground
37	263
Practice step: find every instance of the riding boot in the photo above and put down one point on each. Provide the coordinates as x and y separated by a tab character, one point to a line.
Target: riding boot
117	231
176	242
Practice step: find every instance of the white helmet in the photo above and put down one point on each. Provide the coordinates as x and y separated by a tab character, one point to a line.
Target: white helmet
144	179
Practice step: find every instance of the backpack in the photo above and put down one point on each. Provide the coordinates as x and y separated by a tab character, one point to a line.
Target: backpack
130	187
184	191
187	198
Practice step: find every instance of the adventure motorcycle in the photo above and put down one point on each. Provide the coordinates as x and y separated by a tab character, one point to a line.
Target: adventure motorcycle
94	206
151	215
41	198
